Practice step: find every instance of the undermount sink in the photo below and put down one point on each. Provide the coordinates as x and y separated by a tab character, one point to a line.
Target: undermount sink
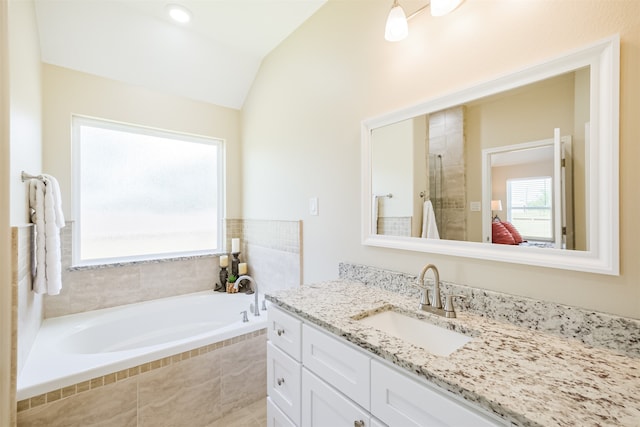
434	339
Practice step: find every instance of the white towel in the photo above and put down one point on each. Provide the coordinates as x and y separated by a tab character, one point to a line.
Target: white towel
429	225
374	215
45	202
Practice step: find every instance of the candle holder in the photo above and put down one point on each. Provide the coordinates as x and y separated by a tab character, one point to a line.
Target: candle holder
234	263
224	275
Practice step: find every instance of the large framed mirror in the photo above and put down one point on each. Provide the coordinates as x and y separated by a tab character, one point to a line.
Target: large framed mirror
521	169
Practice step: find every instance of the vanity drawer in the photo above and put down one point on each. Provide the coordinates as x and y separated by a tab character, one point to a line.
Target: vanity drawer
340	365
275	417
284	331
401	401
323	406
283	382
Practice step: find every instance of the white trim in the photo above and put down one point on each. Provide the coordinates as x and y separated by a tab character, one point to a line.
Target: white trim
602	254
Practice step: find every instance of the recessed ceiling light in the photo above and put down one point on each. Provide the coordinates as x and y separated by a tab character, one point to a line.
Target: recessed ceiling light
179	13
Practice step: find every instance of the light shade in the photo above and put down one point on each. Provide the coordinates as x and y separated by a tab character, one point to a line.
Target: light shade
442	7
397	28
496	205
179	13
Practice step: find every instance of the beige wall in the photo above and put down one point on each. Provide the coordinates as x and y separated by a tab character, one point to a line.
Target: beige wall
26	104
301	126
7	390
21	150
68	92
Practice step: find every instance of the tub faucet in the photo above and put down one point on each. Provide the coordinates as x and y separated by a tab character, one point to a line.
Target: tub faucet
254	286
436	301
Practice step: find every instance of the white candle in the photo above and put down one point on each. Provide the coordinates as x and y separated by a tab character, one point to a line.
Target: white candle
235	245
242	268
224	261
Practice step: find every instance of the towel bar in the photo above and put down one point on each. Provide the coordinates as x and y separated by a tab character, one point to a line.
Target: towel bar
26	176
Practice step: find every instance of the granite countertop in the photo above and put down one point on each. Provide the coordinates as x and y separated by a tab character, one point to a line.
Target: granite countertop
528	377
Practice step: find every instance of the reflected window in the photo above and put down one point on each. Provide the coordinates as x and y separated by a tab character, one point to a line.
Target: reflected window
142	193
529	207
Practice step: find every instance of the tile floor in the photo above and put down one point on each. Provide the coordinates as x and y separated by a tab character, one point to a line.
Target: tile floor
252	415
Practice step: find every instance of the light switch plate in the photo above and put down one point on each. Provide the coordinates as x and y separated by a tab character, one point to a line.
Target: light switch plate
313	206
475	206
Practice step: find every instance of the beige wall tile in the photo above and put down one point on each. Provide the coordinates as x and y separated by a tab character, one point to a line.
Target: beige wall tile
188	390
244	373
109	406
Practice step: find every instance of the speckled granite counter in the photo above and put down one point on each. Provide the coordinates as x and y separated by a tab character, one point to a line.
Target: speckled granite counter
528	377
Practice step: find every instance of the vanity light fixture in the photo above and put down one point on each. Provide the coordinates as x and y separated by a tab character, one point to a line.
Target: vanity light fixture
179	13
397	27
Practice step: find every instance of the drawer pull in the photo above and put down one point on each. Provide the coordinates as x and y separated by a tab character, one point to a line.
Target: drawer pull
280	381
358	423
280	332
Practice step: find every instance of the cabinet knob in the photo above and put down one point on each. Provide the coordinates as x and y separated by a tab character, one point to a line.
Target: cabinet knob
280	381
280	332
358	423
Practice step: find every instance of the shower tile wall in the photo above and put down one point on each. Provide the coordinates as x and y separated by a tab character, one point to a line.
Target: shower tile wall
446	137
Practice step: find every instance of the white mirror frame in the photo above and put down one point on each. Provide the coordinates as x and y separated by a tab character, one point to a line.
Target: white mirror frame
603	254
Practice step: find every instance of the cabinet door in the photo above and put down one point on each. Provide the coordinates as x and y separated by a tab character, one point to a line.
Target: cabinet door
401	401
284	331
275	417
283	382
323	406
337	363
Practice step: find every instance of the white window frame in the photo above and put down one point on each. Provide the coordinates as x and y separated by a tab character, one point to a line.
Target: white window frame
76	123
551	208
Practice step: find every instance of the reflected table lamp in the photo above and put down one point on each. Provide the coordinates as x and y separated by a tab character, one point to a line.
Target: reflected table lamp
496	206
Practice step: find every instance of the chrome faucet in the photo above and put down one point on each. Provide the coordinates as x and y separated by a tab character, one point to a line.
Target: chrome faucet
436	301
254	287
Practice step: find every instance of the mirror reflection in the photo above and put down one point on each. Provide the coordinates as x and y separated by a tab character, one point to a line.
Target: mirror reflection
510	168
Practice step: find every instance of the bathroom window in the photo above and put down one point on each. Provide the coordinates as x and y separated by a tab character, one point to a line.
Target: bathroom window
529	207
142	193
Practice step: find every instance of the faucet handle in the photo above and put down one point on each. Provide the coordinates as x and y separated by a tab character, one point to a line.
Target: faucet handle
449	309
264	305
244	316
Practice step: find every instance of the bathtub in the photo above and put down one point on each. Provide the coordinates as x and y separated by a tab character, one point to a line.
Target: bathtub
79	347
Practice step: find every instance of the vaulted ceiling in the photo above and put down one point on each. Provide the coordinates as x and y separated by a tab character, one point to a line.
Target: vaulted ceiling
213	58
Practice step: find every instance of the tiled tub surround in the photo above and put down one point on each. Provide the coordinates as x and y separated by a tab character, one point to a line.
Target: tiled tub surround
272	250
592	328
193	388
75	348
530	378
96	287
275	263
271	247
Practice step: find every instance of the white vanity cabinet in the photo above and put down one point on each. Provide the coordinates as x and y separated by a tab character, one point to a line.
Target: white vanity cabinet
402	401
323	381
344	367
324	406
284	369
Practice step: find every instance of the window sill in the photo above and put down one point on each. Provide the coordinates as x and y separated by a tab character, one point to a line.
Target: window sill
140	262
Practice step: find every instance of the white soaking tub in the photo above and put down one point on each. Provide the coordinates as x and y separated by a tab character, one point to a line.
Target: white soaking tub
75	348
